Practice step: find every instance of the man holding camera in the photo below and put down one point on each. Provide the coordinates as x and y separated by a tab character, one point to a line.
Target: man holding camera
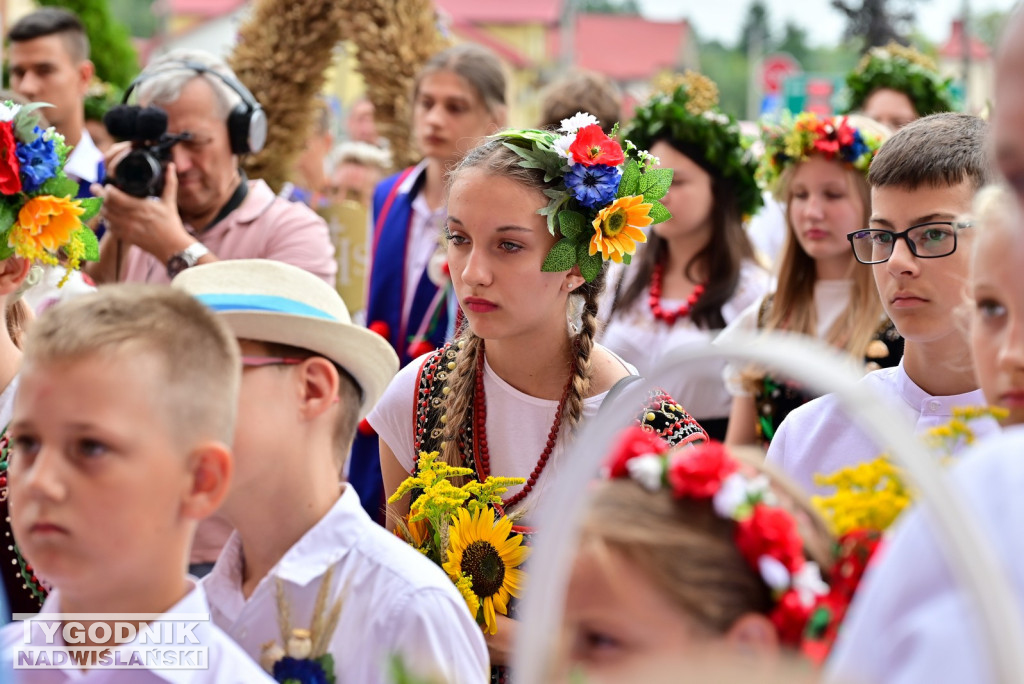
207	210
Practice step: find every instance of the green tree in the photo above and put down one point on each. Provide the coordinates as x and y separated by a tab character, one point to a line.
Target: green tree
876	22
988	27
112	51
756	28
794	42
137	15
727	67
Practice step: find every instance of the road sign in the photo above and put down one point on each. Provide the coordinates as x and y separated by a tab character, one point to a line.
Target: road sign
775	68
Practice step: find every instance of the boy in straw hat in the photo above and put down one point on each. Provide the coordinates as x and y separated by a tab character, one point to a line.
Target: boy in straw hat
307	573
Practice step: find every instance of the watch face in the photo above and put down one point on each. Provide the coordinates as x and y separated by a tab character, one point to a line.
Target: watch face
175	265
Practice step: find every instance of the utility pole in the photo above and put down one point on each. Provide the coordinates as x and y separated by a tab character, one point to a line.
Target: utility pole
755	57
567	32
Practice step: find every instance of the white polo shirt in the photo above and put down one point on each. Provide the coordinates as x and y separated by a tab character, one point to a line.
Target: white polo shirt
396	601
820	437
227	663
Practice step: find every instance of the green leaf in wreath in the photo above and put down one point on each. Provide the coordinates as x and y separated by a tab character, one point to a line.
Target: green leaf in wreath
562	257
629	184
572	224
654	184
659	213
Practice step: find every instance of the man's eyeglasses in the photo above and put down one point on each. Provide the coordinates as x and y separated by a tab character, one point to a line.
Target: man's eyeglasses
926	241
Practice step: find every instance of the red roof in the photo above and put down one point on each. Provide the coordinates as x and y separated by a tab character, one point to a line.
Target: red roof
954	47
625	47
204	8
501	11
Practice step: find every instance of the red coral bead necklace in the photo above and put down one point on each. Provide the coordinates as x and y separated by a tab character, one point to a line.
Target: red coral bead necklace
483	456
654	300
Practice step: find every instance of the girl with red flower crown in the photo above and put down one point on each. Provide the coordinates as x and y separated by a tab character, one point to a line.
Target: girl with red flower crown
532	218
690	558
818	169
697	271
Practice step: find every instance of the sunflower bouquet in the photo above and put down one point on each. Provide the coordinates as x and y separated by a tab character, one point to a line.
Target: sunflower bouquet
601	195
459	529
39	216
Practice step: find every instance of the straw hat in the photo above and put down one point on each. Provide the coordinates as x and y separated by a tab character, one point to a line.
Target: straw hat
270	301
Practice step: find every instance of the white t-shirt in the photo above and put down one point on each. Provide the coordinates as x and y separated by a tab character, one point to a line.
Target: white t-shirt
820	437
642	340
767	229
517	426
912	621
830	300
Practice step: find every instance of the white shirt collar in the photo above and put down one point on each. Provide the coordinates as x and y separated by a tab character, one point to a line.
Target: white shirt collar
84	161
309	558
926	404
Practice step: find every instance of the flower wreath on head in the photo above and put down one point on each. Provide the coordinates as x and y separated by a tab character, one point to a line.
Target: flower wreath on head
902	69
39	215
794	140
686	112
766	534
602	196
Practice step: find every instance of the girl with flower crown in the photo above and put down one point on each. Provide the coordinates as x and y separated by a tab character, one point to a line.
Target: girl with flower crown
697	271
41	223
817	168
458	97
692	559
532	217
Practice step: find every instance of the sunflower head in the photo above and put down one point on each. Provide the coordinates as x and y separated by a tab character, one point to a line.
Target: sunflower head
617	228
484	551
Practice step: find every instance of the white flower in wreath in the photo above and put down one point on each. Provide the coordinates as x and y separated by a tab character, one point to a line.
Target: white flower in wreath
774	573
808	583
576	122
562	148
8	113
647	470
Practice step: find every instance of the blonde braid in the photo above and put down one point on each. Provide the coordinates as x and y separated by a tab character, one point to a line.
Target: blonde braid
460	396
583	348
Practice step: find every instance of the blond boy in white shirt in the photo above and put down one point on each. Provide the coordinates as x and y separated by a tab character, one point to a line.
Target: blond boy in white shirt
117	449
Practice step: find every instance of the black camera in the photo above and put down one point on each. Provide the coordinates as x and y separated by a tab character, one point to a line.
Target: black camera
141	172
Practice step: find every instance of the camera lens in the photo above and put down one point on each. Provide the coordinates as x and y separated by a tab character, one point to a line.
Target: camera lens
140	174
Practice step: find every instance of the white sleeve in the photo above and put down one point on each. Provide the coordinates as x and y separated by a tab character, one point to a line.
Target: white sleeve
745	323
392	417
439	640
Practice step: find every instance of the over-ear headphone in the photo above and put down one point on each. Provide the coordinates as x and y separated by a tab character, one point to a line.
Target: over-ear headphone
247	123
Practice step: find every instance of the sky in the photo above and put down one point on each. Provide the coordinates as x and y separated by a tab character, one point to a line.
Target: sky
722	19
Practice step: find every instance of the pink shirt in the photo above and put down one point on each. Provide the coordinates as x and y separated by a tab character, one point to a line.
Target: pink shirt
265	226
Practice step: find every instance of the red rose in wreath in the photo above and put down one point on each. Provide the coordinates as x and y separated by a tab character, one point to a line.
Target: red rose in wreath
699	473
770	531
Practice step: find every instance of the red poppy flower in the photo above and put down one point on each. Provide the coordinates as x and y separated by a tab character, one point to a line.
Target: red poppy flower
633	442
592	146
699	473
844	133
770	531
10	170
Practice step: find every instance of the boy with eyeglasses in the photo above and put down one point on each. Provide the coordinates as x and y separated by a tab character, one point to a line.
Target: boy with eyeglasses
917	243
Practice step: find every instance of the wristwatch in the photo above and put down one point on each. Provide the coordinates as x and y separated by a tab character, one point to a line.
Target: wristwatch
186	258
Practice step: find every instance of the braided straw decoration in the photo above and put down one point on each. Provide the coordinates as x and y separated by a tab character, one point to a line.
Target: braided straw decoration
394	38
282	52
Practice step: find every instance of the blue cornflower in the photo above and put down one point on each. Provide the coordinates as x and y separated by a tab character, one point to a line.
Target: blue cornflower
594	186
38	161
305	671
857	148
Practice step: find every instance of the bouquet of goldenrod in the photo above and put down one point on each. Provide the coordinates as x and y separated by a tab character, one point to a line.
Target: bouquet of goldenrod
458	527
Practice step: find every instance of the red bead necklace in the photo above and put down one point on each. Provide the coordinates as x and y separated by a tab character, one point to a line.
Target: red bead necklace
654	301
483	457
